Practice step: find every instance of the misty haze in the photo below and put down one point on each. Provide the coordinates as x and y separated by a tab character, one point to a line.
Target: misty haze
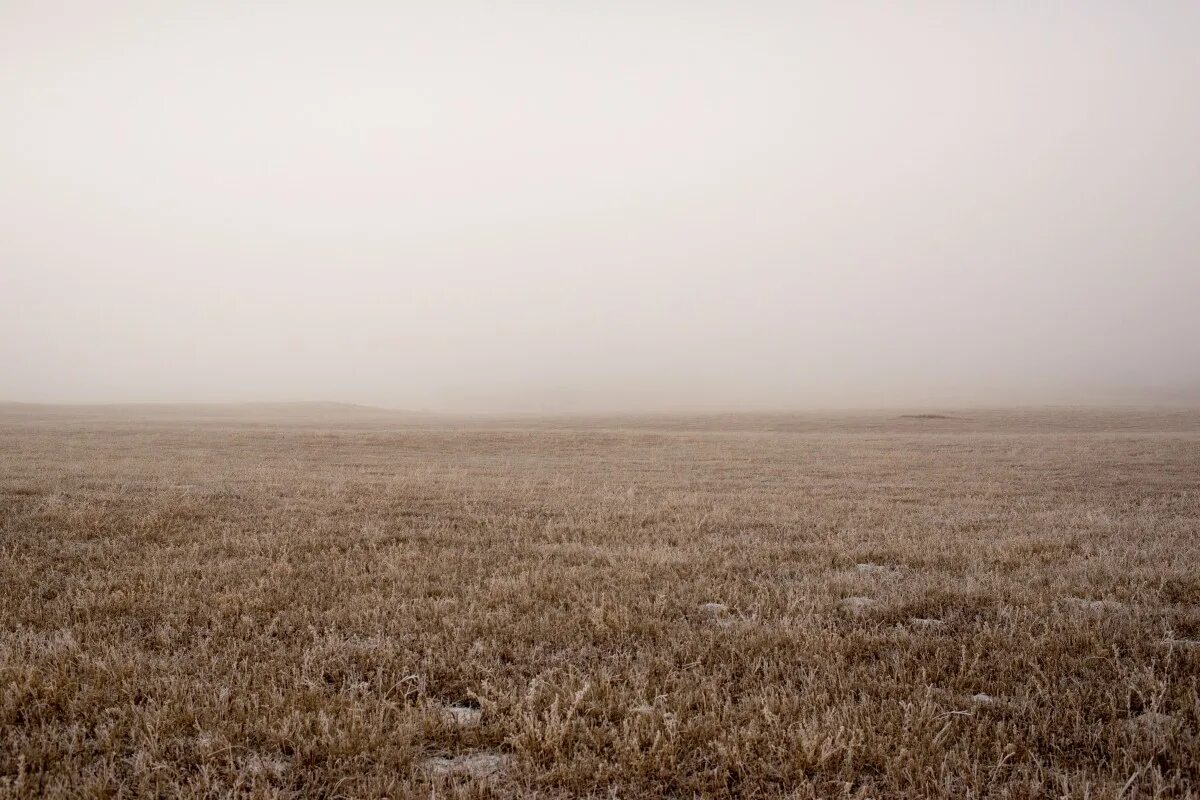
459	399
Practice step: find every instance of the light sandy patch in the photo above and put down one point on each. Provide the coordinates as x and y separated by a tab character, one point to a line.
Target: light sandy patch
479	765
927	623
462	716
856	605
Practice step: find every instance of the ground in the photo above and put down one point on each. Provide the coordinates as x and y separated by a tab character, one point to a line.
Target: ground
893	604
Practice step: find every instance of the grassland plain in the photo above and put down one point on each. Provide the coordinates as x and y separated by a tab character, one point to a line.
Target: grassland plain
321	604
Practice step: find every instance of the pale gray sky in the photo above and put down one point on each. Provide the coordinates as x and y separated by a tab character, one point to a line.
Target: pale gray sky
644	205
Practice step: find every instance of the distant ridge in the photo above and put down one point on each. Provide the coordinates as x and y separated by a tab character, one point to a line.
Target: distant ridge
298	410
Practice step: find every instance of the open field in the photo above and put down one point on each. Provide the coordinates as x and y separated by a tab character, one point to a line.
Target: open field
1001	604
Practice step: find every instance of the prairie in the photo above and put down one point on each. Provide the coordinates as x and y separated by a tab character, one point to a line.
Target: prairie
320	602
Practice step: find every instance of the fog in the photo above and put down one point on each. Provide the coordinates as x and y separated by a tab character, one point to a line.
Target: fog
604	206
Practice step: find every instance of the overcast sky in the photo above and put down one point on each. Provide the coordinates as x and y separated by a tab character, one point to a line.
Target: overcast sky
585	206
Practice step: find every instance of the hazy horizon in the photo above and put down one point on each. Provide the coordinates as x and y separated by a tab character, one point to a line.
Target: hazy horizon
650	207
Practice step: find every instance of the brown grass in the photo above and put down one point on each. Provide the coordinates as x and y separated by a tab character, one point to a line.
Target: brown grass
214	606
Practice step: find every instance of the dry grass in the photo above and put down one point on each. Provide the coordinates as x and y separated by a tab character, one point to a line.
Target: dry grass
244	606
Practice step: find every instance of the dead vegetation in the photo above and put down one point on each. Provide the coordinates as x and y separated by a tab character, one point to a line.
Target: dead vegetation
657	608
